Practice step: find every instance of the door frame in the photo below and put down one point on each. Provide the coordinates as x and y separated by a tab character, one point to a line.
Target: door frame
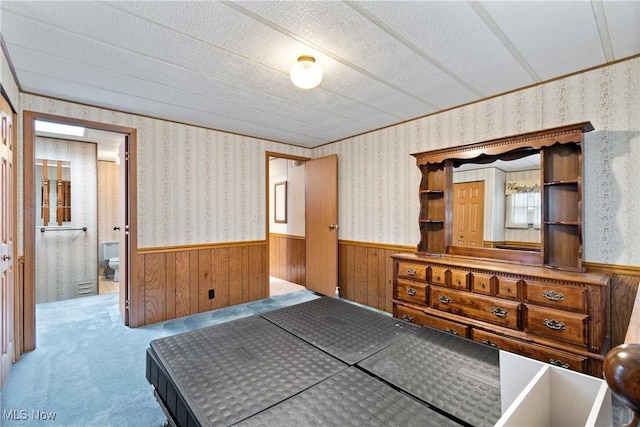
29	210
267	200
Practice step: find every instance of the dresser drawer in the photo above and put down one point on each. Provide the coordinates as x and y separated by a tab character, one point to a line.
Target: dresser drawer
420	318
507	287
542	353
412	271
445	325
556	324
411	291
556	296
409	314
438	276
493	310
482	283
459	279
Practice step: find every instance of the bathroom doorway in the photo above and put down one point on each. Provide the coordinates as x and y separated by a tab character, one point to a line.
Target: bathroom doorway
33	210
77	203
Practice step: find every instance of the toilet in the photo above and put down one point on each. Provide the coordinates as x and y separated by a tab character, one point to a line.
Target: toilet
110	253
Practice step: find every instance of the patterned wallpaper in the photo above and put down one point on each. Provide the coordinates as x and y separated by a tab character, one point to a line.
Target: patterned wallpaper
379	180
197	185
68	258
194	185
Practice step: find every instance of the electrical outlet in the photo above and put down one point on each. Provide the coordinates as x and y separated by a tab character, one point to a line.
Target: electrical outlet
212	293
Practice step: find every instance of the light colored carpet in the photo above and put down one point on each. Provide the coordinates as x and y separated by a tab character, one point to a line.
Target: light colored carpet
89	369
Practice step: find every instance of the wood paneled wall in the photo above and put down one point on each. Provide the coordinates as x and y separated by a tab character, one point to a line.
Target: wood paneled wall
287	258
175	282
366	272
624	289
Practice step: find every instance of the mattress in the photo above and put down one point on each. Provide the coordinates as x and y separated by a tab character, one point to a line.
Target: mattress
224	373
346	331
350	398
324	362
455	375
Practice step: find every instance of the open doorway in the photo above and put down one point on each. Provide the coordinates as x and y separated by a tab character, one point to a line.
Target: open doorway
285	196
32	211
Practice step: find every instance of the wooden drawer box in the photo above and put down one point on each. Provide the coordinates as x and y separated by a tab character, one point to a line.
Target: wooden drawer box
507	287
544	354
459	279
409	314
450	326
438	276
412	271
556	324
482	283
556	296
420	318
412	291
500	312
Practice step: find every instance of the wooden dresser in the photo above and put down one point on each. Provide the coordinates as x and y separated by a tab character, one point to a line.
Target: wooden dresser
553	316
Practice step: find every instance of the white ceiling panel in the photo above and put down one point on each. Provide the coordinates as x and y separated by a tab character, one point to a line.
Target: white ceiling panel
554	37
453	35
224	64
623	24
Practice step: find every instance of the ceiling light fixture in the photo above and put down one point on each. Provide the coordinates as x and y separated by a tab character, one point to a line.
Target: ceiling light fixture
59	128
305	73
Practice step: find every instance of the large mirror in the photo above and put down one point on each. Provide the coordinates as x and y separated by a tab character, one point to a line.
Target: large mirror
53	201
497	204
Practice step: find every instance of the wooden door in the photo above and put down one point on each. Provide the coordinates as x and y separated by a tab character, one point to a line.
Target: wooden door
321	224
468	214
7	294
124	235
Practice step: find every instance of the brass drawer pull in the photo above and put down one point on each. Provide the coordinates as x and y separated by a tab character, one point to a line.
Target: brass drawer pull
489	342
412	272
452	331
443	299
560	363
407	318
481	284
411	291
508	289
438	278
553	295
499	311
553	324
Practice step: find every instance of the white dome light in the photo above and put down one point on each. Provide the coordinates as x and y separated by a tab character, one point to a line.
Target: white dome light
305	73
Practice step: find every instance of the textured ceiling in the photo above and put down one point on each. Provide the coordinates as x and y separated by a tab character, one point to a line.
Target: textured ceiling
225	65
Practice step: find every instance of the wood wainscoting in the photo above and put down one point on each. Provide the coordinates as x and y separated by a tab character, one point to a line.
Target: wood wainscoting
176	281
624	291
287	257
366	272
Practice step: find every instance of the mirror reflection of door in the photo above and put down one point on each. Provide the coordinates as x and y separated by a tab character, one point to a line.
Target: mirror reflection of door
468	214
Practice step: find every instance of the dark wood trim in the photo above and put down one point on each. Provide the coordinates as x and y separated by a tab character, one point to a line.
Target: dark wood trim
176	248
392	247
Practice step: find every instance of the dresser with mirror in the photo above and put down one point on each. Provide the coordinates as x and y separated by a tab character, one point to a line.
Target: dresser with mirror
500	254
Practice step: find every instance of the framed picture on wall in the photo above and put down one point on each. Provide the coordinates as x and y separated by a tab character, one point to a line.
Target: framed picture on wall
280	202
